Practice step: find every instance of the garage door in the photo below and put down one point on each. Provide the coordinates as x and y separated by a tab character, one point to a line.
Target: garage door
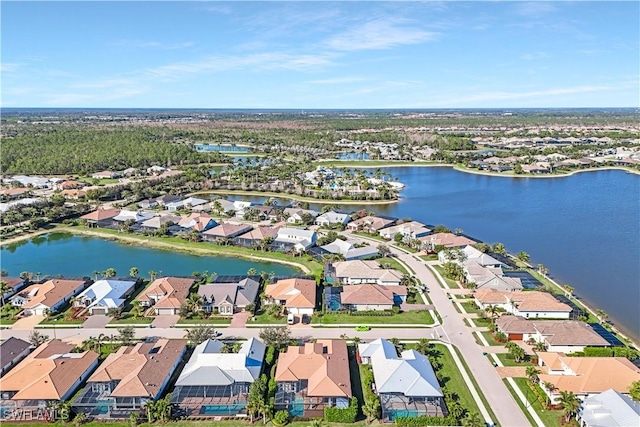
515	337
99	311
164	311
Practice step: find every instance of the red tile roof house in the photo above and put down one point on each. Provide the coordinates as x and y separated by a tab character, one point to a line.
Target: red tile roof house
312	377
199	221
528	304
370	224
257	235
225	230
51	373
371	297
129	377
102	217
49	295
166	294
448	240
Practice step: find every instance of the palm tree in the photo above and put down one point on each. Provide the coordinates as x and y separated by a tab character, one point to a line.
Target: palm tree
114	312
493	311
252	272
79	419
152	275
540	346
568	289
133	272
532	373
423	346
95	275
36	338
109	272
473	419
136	309
570	404
523	256
543	270
602	315
4	289
634	391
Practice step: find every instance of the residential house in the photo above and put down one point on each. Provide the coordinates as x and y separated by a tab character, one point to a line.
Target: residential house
31	181
134	216
155	169
48	296
297	238
226	230
584	376
312	377
14	193
490	278
157	222
12	351
103	217
166	199
448	240
469	254
407	385
256	235
359	272
198	221
15	283
188	203
105	175
562	336
74	194
372	297
166	294
298	296
227	298
50	374
70	185
214	383
330	218
223	206
609	409
148	203
408	230
240	206
528	304
348	250
370	224
104	294
298	216
130	377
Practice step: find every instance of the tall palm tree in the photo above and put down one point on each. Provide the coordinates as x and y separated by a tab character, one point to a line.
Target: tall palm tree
152	275
492	310
133	272
532	373
136	309
4	289
570	404
602	315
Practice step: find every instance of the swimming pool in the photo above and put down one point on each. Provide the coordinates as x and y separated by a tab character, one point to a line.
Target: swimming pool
221	409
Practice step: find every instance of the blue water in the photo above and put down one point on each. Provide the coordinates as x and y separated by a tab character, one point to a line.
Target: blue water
352	156
584	228
221	148
397	413
221	409
77	256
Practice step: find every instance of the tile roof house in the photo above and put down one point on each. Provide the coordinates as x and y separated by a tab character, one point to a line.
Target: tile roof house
187	203
226	230
349	251
312	377
297	295
295	215
166	294
469	254
585	376
104	294
256	235
331	218
158	221
448	240
198	221
135	216
15	283
51	373
529	304
12	351
609	409
410	229
165	199
372	297
49	295
360	272
370	224
102	217
490	278
227	298
403	383
217	383
129	377
564	336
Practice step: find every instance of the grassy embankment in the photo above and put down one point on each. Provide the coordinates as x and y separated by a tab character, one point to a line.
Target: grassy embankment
288	196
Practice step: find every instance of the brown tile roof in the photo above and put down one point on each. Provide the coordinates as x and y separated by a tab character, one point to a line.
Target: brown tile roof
524	300
260	233
50	292
101	214
371	222
590	374
569	332
366	294
327	371
227	229
142	369
74	193
448	240
297	292
72	184
13	191
48	373
200	220
12	281
174	289
11	348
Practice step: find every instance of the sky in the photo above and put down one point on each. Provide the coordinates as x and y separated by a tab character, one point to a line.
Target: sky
306	54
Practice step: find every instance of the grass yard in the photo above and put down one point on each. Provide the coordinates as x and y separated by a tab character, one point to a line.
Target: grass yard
266	318
420	317
452	379
393	263
550	417
374	237
451	283
129	319
481	322
519	402
430	257
507	360
206	321
470	307
490	339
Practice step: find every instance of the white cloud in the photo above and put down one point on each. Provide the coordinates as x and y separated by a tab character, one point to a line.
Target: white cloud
140	44
532	56
536	8
380	34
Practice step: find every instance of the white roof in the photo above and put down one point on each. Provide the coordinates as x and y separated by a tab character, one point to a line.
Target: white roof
338	247
298	234
410	375
107	293
209	366
334	217
136	216
481	258
610	409
193	201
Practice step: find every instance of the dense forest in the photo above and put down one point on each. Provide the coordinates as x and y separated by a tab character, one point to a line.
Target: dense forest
67	150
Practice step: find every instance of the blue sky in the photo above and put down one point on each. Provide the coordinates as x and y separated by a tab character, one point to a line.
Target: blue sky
298	54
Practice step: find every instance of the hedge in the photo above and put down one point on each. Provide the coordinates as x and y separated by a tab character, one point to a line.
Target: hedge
342	415
426	421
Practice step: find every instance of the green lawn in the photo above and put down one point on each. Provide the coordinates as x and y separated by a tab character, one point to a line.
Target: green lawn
452	379
7	320
470	307
430	257
507	360
519	402
265	318
206	321
420	317
393	263
374	237
550	418
480	322
487	336
129	319
451	283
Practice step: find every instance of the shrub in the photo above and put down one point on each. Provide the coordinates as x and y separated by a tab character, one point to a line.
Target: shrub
271	355
342	415
281	418
426	421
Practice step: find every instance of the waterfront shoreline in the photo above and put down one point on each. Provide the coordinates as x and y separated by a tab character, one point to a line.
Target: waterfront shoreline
294	197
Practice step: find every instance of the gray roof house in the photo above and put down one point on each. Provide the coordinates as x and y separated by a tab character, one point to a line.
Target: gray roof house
214	383
298	238
609	409
349	251
104	294
12	351
229	297
405	382
332	217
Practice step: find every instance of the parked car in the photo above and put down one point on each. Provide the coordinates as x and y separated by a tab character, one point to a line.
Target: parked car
363	328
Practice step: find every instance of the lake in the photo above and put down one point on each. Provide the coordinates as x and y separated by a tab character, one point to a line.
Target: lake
78	256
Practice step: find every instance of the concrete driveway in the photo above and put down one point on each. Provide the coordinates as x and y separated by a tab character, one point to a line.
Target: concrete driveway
239	320
28	322
165	321
96	321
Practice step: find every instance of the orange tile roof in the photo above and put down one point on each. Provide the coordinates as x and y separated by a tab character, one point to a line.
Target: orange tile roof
175	291
297	292
48	373
327	371
366	294
448	240
13	191
101	214
525	300
589	374
50	292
